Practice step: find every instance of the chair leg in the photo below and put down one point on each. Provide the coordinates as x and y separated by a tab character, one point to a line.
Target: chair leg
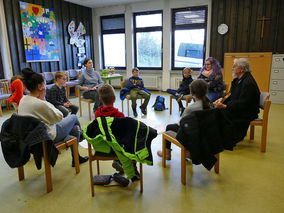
1	113
141	178
263	139
91	170
89	105
80	105
98	167
217	164
171	100
251	132
164	152
67	91
47	169
183	166
76	156
21	173
122	106
128	107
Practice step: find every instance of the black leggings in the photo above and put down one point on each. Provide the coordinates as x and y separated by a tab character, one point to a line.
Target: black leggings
174	128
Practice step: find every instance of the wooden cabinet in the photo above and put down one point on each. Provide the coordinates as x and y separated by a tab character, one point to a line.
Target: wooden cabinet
260	63
277	79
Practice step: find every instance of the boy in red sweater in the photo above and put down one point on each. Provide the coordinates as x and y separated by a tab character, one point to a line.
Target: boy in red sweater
17	89
107	97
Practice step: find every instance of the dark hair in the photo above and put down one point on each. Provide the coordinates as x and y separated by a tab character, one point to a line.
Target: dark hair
216	68
15	77
135	69
86	60
106	93
199	89
31	79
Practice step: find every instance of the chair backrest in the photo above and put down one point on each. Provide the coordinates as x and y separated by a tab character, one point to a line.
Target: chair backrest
126	83
264	96
5	85
49	77
73	74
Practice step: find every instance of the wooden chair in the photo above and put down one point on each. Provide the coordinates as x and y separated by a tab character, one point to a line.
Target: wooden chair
187	99
170	136
89	101
5	94
263	122
125	83
104	156
60	146
72	81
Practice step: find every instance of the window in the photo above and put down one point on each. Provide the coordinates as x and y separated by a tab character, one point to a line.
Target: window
188	37
148	35
113	41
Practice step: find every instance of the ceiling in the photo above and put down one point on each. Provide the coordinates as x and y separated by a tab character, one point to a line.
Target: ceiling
102	3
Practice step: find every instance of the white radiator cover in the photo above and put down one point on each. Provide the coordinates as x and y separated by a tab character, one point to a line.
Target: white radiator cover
150	82
177	82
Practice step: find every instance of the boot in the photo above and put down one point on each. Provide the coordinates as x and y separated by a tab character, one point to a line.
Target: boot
134	112
168	154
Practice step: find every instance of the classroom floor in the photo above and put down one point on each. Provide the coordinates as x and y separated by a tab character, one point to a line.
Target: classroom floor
249	181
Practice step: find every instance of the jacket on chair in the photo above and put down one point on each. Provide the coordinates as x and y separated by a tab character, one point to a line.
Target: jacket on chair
130	140
205	133
23	135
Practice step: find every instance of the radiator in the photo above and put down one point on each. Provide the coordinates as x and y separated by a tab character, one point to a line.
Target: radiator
177	82
150	82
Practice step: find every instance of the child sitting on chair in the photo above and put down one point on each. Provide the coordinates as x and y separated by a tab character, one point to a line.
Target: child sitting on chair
183	88
136	86
57	96
17	89
107	97
199	90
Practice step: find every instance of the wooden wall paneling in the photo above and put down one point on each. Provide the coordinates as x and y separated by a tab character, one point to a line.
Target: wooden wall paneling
246	26
233	27
89	31
8	5
239	25
267	40
219	39
227	16
66	21
279	44
73	54
59	27
214	25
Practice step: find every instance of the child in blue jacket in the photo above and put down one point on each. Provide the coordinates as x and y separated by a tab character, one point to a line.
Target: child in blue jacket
136	87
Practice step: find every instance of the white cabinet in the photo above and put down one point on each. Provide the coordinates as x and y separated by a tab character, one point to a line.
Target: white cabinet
276	88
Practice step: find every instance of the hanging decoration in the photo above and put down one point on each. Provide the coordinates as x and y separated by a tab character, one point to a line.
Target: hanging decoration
76	38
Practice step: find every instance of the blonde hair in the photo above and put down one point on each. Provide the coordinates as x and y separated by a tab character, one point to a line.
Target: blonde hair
106	93
59	74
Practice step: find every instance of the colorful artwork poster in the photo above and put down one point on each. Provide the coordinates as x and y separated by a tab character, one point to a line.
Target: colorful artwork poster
39	32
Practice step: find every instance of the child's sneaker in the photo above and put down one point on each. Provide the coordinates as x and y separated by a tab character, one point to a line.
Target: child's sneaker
143	110
180	97
117	166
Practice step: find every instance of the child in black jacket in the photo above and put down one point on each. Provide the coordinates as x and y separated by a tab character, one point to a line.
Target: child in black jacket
183	88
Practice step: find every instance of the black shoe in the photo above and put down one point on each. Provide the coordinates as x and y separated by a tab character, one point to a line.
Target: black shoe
135	113
143	110
81	136
81	160
181	110
118	167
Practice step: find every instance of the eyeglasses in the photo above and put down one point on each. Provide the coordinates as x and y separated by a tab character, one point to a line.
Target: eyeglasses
207	64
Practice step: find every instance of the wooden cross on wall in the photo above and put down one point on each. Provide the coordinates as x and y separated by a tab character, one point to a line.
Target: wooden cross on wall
262	24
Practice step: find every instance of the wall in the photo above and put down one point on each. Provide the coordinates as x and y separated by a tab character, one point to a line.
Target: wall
244	29
165	77
64	12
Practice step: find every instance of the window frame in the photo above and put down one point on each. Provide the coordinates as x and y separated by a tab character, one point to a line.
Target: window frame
107	32
188	27
147	29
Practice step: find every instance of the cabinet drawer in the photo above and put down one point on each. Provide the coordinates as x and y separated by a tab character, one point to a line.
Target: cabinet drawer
278	61
277	74
277	97
276	84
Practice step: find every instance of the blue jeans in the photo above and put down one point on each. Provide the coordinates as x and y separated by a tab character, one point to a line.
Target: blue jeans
213	96
173	92
69	125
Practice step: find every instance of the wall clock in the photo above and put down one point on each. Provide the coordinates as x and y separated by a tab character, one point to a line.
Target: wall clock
223	29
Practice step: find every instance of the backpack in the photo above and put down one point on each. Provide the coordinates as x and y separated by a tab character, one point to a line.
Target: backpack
159	104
